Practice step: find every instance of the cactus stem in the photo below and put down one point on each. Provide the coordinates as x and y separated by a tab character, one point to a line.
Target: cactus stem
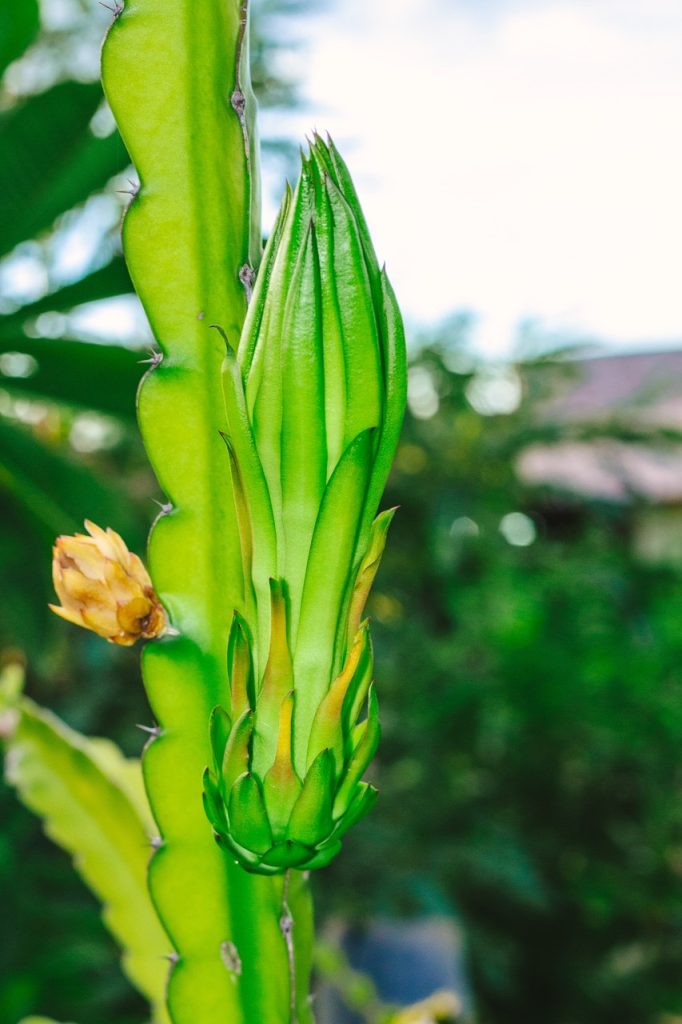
238	99
286	925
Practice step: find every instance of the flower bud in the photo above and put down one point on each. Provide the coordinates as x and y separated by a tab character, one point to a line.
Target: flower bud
104	587
314	395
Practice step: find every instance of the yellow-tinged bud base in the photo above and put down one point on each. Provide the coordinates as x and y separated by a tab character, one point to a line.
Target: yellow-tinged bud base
267	817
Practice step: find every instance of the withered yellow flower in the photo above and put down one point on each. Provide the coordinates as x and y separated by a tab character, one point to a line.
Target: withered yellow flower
105	587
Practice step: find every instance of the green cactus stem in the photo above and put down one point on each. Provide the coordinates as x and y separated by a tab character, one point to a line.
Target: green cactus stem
176	76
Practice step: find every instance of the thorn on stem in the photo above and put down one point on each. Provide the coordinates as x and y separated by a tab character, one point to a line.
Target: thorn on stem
154	358
238	102
152	730
230	958
165	506
247	276
116	10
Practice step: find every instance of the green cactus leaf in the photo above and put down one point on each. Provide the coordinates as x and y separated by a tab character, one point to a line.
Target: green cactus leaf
241	506
311	818
357	694
264	387
287	855
340	175
324	856
248	817
254	316
395	377
213	802
364	406
369	567
326	580
361	804
219	728
236	757
263	545
365	750
327	728
278	681
281	784
335	394
240	668
84	792
303	445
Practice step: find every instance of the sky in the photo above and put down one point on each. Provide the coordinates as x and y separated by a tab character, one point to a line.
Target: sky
521	159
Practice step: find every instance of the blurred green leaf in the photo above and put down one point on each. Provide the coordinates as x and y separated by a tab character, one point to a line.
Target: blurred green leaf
38	1020
19	24
101	377
80	788
103	283
58	491
51	160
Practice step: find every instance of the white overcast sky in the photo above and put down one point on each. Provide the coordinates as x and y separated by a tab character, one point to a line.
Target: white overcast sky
518	158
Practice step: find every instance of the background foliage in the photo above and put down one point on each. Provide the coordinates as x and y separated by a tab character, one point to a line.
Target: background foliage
531	695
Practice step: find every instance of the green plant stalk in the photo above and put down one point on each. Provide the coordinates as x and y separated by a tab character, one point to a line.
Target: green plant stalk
175	74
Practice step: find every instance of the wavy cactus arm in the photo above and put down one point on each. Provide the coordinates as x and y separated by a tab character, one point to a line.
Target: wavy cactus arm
176	75
90	801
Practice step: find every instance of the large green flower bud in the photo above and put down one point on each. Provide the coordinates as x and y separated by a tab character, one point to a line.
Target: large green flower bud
315	395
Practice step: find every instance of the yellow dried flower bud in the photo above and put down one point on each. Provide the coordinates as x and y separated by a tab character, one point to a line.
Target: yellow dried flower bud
104	587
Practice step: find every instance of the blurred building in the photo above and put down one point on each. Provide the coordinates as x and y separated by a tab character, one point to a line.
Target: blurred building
620	441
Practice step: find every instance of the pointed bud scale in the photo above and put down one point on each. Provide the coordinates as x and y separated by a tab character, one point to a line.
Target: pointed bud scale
281	784
219	729
368	569
239	667
236	757
104	587
314	399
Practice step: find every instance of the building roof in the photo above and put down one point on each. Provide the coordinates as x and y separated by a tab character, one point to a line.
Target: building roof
643	391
